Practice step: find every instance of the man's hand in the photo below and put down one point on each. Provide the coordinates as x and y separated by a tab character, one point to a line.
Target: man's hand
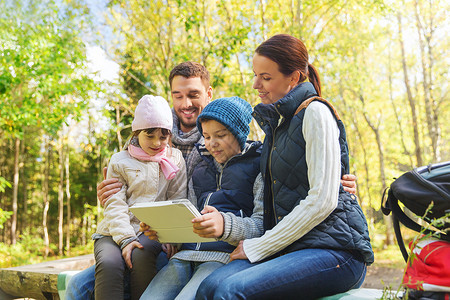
151	234
210	224
126	252
349	183
169	249
238	253
107	188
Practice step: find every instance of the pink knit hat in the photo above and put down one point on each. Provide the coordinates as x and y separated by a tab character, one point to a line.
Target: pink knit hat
152	112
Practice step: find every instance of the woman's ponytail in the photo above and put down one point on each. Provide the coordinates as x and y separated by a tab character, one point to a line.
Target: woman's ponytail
314	78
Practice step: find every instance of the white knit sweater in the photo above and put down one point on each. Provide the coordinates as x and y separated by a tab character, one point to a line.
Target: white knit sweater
324	164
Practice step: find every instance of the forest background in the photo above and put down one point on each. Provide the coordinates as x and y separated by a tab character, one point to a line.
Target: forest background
383	63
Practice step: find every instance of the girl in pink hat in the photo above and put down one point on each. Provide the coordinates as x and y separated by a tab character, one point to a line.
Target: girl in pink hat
150	170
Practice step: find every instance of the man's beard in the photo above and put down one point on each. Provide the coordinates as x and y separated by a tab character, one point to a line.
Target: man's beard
187	125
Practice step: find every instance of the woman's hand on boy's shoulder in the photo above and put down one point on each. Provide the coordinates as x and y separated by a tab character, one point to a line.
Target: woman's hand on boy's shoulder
210	224
349	183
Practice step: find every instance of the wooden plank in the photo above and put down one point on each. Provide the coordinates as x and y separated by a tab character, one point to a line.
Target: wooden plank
39	281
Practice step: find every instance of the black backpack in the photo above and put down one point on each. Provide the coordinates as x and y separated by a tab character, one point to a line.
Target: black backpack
417	189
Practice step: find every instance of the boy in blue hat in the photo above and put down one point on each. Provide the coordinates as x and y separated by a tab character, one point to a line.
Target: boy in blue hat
227	186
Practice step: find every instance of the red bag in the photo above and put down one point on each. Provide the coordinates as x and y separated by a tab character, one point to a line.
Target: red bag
428	267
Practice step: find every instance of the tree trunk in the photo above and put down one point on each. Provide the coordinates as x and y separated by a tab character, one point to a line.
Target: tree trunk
69	215
352	112
391	98
15	191
119	136
24	219
263	21
3	199
434	104
425	83
46	198
299	19
61	196
376	131
412	102
83	228
366	166
99	207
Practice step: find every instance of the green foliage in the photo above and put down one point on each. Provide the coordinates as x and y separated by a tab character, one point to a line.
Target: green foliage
41	68
29	250
3	184
78	249
4	216
44	88
389	293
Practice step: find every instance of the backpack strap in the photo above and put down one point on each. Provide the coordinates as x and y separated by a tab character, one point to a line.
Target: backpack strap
398	215
390	204
317	98
342	135
399	237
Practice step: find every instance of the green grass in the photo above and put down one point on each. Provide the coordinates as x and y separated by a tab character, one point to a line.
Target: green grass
31	251
390	257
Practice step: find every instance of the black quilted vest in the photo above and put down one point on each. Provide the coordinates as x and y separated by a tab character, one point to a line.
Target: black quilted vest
285	173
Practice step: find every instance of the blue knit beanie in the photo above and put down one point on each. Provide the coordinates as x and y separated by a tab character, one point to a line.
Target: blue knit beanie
233	112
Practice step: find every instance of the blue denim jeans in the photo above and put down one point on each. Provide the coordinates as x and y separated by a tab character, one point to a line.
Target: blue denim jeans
81	285
179	279
303	274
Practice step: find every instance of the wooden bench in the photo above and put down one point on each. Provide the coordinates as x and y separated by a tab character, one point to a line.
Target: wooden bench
39	281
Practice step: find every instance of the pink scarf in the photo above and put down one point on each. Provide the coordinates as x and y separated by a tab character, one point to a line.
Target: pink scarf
169	168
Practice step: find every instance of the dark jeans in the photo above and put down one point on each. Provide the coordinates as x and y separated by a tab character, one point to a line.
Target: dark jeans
81	285
110	268
303	274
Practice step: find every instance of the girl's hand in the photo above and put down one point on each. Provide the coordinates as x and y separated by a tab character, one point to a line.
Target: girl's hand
169	249
238	253
143	227
349	183
126	252
151	234
210	224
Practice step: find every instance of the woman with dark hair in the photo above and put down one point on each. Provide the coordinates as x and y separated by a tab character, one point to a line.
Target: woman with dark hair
316	241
